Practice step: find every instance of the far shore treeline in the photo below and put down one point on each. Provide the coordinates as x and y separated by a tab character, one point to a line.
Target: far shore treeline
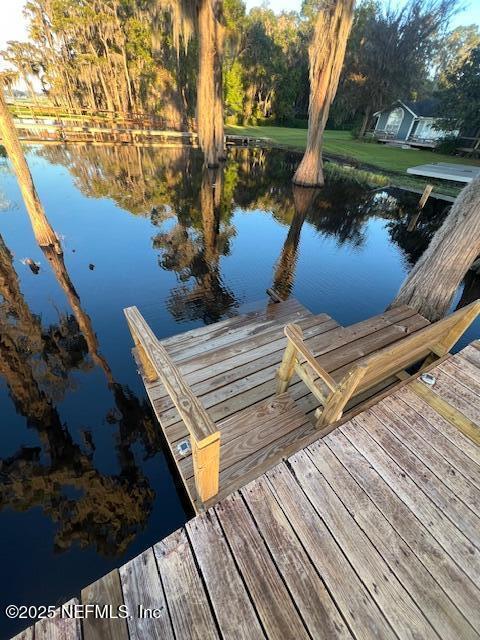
142	56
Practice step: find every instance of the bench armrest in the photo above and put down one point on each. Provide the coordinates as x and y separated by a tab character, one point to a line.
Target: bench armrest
295	337
159	365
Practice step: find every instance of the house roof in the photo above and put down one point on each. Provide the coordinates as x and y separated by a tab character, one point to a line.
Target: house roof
428	108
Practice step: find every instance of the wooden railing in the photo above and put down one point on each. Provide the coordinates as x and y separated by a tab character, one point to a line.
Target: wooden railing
62	115
424	346
204	436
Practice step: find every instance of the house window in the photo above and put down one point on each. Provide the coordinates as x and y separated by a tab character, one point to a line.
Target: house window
426	131
394	121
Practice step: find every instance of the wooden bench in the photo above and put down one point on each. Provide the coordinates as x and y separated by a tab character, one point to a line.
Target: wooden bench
334	392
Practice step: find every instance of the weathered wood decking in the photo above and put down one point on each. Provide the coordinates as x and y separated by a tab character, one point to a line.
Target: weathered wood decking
230	367
371	532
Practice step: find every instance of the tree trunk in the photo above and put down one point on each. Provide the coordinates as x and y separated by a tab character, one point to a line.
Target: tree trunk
433	281
209	83
44	233
365	121
326	54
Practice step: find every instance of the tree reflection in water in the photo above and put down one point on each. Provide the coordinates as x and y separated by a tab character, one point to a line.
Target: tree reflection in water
105	511
192	210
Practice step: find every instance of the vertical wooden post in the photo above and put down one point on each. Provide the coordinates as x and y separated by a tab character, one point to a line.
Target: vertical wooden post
44	233
425	196
289	360
206	465
421	203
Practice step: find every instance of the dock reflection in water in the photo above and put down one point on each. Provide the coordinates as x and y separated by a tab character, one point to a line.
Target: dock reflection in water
85	483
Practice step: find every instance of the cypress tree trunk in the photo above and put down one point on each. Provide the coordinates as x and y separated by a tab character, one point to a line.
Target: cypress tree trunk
433	281
326	54
365	121
44	233
209	83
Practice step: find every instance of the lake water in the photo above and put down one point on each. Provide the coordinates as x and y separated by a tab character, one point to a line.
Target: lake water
85	480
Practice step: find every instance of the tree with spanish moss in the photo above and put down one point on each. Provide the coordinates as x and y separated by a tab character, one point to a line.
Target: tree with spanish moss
326	52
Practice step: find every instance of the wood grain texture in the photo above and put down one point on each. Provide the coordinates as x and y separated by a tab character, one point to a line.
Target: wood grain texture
141	586
436	606
440	423
193	414
26	634
272	600
315	604
106	591
445	461
360	612
234	611
385	588
61	627
439	492
419	535
187	603
449	536
445	407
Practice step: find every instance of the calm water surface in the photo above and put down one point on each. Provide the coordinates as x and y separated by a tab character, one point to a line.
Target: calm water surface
85	480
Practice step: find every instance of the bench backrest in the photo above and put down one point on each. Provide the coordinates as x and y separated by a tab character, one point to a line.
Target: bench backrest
428	343
437	338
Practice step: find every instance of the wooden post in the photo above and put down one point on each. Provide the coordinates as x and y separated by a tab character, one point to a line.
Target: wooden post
44	233
289	360
421	203
425	196
206	465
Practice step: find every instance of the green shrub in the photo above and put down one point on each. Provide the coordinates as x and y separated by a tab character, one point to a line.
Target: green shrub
448	146
336	171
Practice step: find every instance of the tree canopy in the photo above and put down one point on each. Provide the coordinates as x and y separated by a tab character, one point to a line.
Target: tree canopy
142	55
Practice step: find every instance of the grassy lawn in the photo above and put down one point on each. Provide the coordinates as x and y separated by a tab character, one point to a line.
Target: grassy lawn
340	143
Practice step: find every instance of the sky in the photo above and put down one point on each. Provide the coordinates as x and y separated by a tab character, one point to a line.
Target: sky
13	27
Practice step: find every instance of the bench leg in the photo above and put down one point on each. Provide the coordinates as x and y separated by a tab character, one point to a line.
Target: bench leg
337	401
286	369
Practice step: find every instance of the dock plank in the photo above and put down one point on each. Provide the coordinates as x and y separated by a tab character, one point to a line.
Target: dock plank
272	600
141	586
448	462
26	634
437	490
60	627
360	612
313	600
436	606
449	536
233	608
405	617
186	599
105	591
419	535
442	425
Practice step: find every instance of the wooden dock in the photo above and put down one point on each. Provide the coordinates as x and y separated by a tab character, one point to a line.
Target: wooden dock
230	367
372	531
